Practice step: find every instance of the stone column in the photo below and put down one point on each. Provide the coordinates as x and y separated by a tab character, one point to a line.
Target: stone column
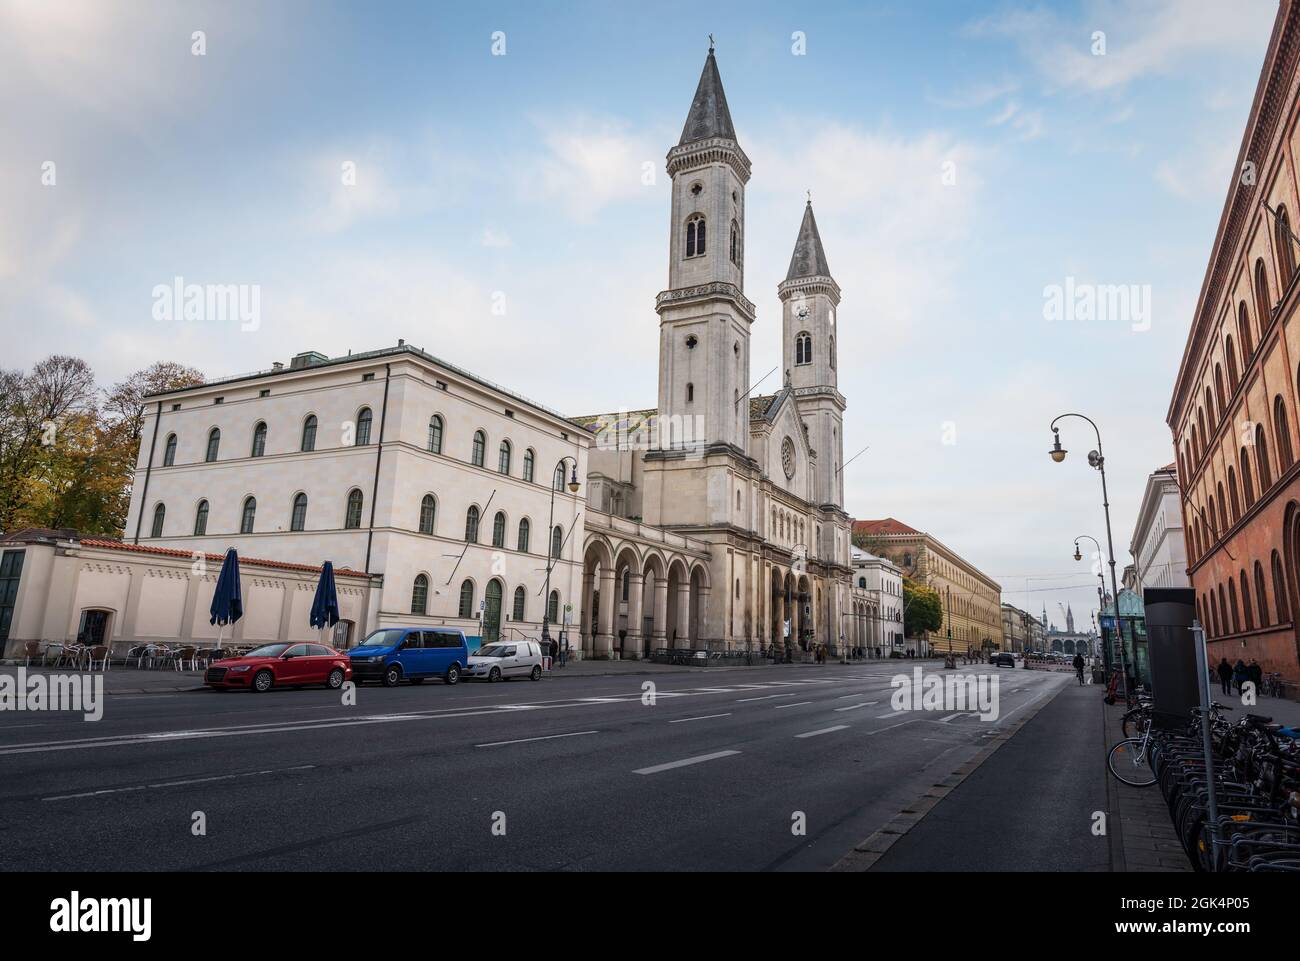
684	615
632	643
660	636
585	627
603	643
704	613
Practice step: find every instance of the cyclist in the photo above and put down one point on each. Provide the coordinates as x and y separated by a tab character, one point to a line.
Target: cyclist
1078	668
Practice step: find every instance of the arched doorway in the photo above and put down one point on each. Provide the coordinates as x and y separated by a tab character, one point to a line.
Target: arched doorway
492	611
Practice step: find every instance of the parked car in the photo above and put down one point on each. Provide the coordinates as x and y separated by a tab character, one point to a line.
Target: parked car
1002	659
281	665
502	660
393	654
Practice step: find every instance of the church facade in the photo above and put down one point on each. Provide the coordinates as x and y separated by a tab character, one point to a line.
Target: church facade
714	520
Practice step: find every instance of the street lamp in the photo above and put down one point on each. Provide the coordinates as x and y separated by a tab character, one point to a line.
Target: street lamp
1097	461
550	533
1101	591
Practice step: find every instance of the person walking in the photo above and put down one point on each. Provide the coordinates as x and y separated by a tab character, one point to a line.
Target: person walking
1256	675
1078	668
1225	676
564	652
1239	674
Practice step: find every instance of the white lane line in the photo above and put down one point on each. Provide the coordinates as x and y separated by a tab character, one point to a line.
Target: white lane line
546	737
825	730
702	717
685	762
192	780
765	697
891	727
782	707
881	717
953	717
854	707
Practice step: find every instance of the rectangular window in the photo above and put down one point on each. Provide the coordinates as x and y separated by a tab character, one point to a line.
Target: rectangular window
11	569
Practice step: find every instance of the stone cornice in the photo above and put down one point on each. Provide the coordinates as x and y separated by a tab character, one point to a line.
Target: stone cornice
701	153
809	285
715	290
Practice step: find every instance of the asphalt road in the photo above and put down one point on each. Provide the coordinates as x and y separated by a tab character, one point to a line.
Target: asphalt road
570	773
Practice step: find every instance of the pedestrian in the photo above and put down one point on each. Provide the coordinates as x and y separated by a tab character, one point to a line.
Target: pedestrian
564	652
1239	674
1225	676
1256	675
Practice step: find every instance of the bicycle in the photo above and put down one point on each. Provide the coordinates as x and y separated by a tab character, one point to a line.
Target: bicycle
1129	762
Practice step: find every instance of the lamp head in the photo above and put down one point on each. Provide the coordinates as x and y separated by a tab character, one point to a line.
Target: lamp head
1094	459
573	480
1077	555
1058	452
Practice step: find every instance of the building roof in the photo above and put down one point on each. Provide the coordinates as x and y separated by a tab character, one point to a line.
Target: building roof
35	535
622	419
808	259
888	525
760	405
708	117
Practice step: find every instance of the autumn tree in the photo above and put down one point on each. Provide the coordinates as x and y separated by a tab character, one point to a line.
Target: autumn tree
922	608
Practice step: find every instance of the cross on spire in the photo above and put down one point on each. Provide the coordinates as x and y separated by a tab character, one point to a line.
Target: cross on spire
710	43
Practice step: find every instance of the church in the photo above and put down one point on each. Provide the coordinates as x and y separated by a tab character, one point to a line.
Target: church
712	521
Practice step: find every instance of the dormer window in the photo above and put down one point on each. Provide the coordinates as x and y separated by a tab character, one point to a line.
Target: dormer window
695	245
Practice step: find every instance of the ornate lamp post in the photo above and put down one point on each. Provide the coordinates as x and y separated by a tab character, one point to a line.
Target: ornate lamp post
551	557
1098	462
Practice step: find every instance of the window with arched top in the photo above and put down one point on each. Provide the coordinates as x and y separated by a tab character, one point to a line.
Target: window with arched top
1247	610
517	614
499	530
1279	590
249	515
1218	389
364	418
553	607
435	434
695	245
1209	405
259	439
1232	494
471	524
428	513
1282	431
214	445
530	460
690	393
1230	354
1247	483
201	519
503	458
803	348
352	519
832	353
466	608
159	515
169	451
298	519
521	542
1263	303
735	243
479	449
420	594
309	433
1285	252
1261	595
1262	465
557	541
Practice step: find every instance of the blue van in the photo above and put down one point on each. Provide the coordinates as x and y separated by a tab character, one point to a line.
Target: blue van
414	653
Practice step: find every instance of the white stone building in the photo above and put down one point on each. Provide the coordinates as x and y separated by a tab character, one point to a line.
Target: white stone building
1158	547
875	622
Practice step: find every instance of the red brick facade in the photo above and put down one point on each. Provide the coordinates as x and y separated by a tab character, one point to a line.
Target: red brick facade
1234	408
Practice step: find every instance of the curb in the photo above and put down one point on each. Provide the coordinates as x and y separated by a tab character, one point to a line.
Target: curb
865	854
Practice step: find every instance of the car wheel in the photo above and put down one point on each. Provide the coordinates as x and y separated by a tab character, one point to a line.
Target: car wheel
453	674
392	674
494	674
335	680
537	672
262	681
417	680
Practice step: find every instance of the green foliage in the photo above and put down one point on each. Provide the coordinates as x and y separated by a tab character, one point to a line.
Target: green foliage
922	608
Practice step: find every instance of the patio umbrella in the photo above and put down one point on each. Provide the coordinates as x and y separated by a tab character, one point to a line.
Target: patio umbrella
325	605
227	600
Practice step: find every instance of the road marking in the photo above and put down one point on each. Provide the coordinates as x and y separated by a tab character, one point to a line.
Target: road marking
953	717
825	730
702	717
700	759
890	727
765	697
881	717
782	707
546	737
854	707
192	780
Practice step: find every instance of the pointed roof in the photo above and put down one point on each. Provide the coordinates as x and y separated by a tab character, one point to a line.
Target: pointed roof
709	116
808	259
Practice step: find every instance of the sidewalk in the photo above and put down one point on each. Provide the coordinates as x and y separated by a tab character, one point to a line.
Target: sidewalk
1142	832
119	680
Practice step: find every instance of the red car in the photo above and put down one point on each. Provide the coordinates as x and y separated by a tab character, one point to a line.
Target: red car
281	665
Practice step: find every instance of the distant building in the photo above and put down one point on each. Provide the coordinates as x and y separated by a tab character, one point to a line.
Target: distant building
1021	631
1068	641
876	621
972	601
1158	548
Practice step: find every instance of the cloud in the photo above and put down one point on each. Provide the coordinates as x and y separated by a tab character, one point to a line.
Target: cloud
589	163
495	239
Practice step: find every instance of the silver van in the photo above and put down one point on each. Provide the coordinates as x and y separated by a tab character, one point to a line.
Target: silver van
502	660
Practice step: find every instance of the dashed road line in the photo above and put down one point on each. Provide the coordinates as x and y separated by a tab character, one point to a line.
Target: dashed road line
526	740
702	717
824	730
684	762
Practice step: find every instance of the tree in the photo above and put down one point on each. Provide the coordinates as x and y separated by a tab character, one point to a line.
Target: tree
125	403
922	608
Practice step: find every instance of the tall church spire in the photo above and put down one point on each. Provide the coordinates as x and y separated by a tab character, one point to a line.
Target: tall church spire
809	259
709	116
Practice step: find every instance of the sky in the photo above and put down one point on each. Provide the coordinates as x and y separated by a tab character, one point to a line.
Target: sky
965	161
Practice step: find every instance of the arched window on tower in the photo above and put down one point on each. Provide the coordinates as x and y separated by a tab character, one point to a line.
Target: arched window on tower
735	243
803	348
695	237
832	353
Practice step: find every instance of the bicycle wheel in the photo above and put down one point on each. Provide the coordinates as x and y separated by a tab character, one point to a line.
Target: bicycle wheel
1128	762
1136	722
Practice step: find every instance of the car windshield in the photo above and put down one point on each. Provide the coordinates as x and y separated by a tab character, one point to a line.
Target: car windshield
268	650
386	637
492	650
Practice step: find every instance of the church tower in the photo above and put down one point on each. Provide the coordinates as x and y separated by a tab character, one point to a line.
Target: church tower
810	298
1069	620
704	317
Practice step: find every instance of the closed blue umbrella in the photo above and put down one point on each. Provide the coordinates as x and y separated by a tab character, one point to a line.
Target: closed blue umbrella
227	600
325	605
